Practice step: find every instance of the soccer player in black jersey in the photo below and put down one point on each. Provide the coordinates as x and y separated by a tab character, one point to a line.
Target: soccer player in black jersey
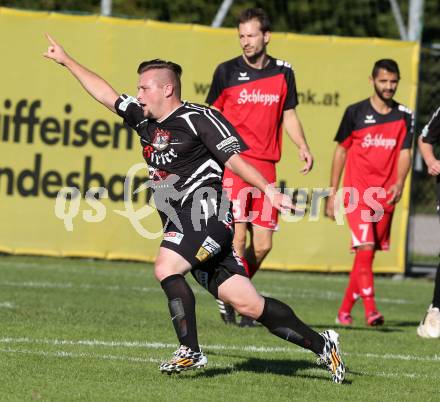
430	325
187	147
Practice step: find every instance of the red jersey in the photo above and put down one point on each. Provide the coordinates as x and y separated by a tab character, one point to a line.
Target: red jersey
373	142
254	100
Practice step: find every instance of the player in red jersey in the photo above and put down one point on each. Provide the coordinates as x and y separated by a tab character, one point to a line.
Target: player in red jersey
374	148
257	94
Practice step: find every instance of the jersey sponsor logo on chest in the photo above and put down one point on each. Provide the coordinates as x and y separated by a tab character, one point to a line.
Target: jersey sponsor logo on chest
369	119
243	77
161	139
257	97
378	141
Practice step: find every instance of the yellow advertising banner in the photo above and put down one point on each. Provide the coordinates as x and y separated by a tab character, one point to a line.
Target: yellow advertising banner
53	135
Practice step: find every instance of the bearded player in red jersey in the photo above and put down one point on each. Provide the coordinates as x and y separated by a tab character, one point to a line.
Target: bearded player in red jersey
374	147
257	94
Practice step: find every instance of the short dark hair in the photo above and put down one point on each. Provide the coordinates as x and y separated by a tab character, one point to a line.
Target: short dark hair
160	64
255	14
386	64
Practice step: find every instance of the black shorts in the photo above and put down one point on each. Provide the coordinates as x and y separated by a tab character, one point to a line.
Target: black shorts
207	246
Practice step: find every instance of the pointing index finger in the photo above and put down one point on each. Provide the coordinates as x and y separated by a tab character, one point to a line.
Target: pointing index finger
51	40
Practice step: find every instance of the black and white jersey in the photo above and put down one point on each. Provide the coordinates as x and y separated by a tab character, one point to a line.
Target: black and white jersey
185	151
431	135
431	132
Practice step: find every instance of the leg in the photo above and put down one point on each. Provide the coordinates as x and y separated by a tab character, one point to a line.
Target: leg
436	295
350	297
239	242
429	327
273	314
366	237
170	269
261	244
365	281
281	321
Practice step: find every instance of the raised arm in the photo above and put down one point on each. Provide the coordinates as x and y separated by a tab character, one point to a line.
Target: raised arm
96	86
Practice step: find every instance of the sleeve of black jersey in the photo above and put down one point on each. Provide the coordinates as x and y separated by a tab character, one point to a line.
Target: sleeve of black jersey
216	87
346	127
292	97
130	110
219	136
407	142
431	132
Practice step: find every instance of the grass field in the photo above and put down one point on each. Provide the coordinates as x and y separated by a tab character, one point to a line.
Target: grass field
94	330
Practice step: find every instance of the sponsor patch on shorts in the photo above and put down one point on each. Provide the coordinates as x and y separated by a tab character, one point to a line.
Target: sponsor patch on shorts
209	248
173	237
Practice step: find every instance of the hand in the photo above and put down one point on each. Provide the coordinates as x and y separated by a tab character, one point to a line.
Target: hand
434	167
281	202
330	206
305	155
396	193
56	52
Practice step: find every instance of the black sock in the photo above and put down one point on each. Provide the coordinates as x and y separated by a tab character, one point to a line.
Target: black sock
436	297
182	305
281	321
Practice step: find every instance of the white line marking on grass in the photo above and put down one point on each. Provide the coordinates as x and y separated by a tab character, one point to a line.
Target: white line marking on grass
57	285
294	295
248	348
7	305
383	374
64	354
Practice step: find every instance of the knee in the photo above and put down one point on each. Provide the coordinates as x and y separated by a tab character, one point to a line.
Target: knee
262	249
249	308
161	270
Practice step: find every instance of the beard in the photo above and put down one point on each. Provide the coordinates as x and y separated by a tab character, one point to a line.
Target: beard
254	58
383	95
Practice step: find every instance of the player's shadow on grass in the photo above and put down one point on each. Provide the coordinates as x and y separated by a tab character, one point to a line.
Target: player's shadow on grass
263	366
413	324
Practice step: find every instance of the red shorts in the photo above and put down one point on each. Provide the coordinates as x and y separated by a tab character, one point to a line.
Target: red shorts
364	231
250	204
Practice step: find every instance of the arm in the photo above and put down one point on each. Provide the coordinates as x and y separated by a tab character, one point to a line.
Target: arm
338	163
403	166
427	151
296	133
97	87
249	174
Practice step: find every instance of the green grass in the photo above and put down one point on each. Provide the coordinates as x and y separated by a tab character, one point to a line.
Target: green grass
96	331
415	258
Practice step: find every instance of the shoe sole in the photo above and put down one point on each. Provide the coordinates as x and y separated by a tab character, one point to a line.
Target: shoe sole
174	371
178	370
